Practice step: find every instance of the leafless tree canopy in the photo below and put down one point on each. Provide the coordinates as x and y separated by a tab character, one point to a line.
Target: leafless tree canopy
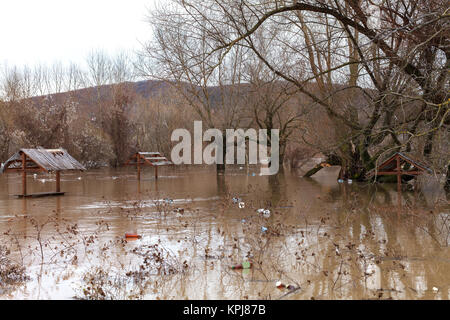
377	70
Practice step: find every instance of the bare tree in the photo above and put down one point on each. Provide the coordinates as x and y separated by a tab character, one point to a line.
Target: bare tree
273	103
383	82
209	84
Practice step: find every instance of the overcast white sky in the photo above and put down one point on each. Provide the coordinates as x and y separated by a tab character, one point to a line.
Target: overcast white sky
44	31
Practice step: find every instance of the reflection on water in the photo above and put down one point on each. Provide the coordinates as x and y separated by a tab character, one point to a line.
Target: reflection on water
327	240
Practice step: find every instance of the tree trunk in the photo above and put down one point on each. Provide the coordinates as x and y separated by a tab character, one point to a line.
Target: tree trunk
428	149
447	180
281	162
313	171
353	165
220	168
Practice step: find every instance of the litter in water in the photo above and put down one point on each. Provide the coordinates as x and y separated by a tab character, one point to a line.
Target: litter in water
243	265
241	205
236	200
265	212
291	287
132	236
179	211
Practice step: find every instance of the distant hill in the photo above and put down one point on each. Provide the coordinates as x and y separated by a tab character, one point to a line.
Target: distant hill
87	98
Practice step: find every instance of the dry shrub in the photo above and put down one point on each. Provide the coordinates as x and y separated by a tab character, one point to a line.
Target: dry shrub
158	260
101	284
10	273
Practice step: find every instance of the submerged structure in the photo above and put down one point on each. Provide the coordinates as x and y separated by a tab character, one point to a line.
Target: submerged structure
400	165
152	159
41	160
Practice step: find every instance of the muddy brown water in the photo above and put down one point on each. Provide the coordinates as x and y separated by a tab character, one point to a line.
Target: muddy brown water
326	239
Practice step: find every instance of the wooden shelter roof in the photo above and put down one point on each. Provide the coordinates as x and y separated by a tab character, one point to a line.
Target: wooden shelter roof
41	159
149	158
389	166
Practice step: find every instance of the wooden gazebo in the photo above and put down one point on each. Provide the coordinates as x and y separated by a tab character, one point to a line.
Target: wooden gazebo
400	165
41	160
152	159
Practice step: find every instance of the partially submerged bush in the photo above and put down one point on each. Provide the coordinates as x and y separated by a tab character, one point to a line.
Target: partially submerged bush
10	273
158	260
101	284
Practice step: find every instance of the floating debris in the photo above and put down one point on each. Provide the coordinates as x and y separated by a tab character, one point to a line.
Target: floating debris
179	210
79	178
241	205
243	221
263	229
168	201
291	287
340	181
265	212
236	200
435	289
281	285
350	181
35	175
243	265
132	236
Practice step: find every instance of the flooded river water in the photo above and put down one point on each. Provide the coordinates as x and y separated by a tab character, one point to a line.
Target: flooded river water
326	240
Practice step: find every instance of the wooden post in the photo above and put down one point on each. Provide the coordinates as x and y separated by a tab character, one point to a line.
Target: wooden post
399	182
399	173
138	159
58	205
156	172
24	174
58	182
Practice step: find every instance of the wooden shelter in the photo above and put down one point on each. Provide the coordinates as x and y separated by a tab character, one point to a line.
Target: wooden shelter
41	160
400	165
153	159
